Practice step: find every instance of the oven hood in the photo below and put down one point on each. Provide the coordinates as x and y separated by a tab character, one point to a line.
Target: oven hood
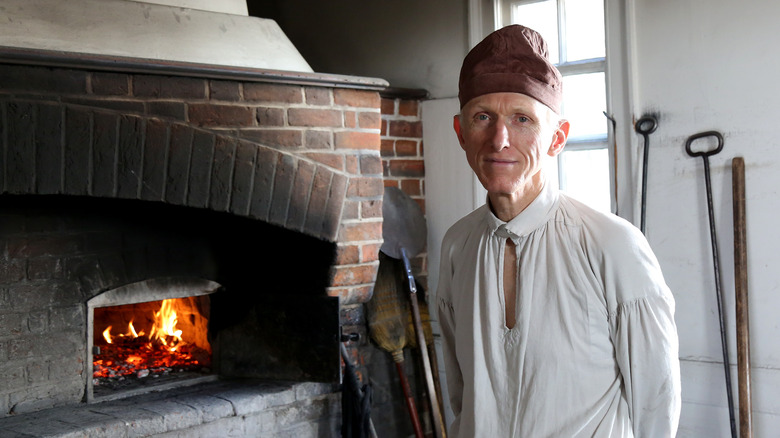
129	29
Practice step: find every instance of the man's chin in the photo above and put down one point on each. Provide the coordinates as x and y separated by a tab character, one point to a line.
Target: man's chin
501	186
511	188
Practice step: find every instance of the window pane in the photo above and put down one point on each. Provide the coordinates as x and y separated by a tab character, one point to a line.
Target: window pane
585	176
584	29
584	103
542	17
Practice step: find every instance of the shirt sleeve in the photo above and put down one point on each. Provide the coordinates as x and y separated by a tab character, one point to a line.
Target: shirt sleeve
447	324
451	367
646	348
644	335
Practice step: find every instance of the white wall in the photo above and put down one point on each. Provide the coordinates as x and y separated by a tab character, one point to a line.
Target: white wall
710	65
699	65
450	194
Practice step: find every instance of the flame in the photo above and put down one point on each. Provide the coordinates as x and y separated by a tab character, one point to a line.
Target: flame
165	348
165	325
107	334
132	329
130	332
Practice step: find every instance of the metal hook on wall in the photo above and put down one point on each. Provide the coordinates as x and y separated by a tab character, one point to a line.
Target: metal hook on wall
645	126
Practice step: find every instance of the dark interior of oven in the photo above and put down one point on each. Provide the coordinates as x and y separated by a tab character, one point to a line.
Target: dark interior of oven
271	318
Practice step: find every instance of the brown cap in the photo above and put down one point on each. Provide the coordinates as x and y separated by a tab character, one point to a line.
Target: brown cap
511	59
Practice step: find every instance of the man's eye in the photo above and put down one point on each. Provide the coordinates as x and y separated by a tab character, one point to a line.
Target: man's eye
482	117
521	119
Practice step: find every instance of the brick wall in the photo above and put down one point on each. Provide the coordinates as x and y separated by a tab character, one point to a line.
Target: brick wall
298	155
402	153
402	167
402	164
317	133
271	151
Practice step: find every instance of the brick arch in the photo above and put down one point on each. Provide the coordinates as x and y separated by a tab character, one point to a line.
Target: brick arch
58	148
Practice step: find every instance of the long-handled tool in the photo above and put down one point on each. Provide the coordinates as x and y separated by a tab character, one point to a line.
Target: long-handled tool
404	232
425	317
387	327
741	291
716	263
438	420
645	126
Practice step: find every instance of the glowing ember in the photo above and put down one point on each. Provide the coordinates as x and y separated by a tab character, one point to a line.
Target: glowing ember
135	360
177	340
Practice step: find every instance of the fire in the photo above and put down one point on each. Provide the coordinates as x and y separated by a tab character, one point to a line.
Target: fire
176	341
135	360
131	332
107	335
165	325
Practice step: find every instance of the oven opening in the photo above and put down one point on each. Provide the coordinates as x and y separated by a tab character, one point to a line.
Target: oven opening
153	341
149	336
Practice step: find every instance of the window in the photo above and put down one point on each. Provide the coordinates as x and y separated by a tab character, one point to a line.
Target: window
574	31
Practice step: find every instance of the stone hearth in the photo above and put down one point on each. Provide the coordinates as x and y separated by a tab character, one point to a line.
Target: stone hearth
219	409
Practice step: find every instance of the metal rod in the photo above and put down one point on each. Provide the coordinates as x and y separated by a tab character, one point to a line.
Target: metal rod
716	264
645	126
719	295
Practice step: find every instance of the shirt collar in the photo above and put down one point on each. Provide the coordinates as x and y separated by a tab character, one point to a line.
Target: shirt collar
537	213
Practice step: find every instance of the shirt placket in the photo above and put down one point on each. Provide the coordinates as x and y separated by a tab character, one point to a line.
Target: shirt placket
506	235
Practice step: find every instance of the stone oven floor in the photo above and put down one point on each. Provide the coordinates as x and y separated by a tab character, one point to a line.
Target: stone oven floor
216	409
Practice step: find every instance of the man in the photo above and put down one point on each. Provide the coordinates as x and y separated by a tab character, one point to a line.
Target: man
555	317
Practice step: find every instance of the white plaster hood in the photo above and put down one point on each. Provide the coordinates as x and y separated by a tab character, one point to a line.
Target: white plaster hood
158	32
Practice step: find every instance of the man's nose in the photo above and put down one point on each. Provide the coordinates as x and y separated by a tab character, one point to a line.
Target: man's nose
500	138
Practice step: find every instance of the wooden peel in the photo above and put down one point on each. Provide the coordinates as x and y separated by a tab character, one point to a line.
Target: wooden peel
741	291
404	232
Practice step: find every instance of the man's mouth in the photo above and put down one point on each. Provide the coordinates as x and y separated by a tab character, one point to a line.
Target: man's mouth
500	162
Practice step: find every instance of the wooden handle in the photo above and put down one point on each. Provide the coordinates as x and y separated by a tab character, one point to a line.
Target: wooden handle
438	422
741	291
410	405
439	429
436	382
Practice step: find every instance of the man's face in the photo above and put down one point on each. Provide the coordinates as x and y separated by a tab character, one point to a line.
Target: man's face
505	137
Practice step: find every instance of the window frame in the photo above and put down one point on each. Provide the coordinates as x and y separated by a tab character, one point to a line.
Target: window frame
503	17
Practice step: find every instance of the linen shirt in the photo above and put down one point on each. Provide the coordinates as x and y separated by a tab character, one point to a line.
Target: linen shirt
594	350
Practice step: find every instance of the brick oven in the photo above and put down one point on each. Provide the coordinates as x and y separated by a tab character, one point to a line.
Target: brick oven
125	181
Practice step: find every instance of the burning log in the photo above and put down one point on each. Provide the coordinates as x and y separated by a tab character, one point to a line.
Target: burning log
133	356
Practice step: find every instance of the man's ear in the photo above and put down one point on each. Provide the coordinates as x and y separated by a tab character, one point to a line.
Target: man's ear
559	138
458	130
